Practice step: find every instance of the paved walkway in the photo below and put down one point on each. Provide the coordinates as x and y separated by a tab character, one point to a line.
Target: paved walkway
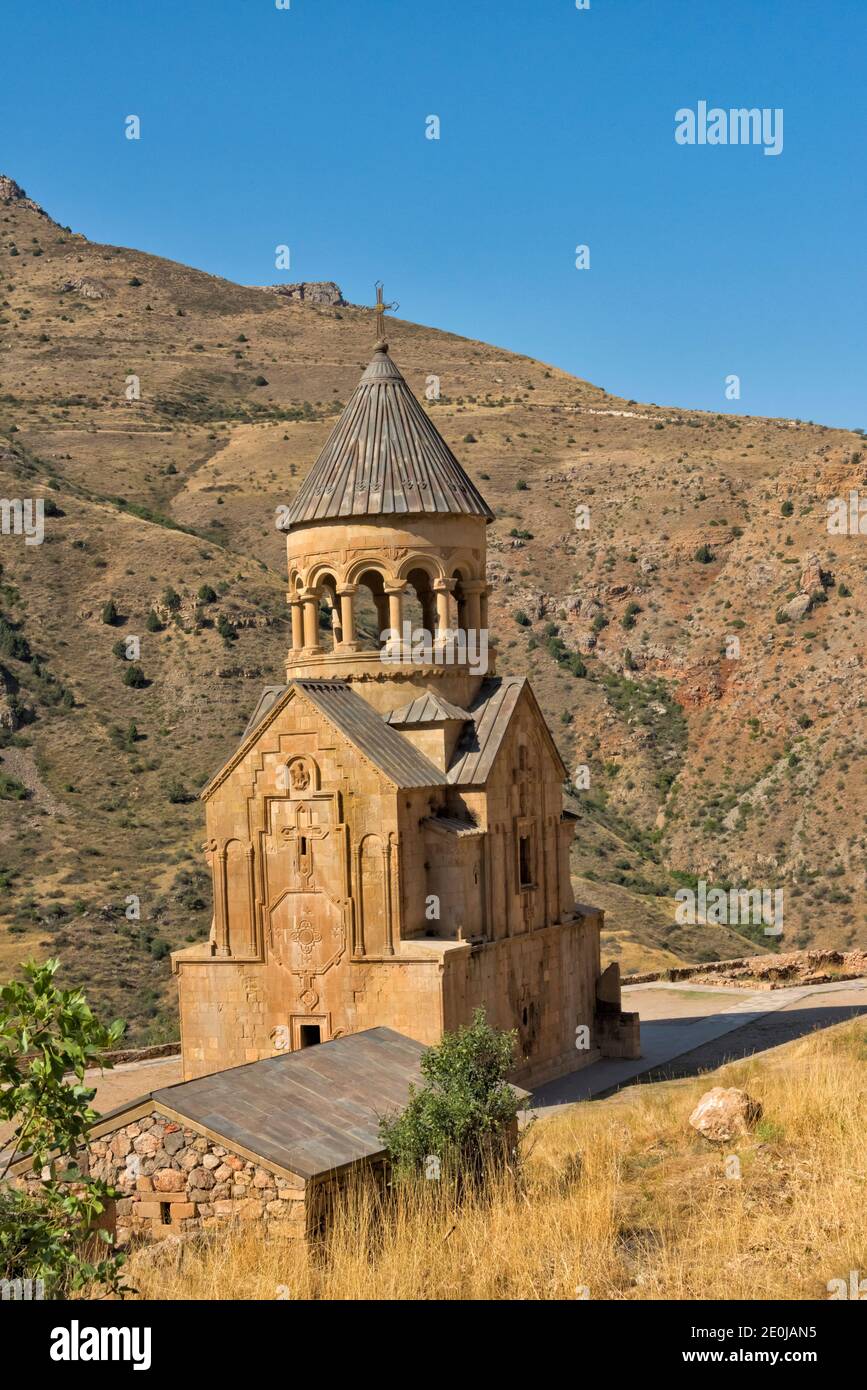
124	1083
688	1028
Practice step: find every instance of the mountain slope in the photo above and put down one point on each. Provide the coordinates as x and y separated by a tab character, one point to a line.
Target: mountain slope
744	770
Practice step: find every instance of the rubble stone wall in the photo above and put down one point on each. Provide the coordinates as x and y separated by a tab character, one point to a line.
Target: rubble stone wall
172	1179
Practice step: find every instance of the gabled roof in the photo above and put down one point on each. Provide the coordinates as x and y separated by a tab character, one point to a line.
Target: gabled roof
491	713
368	731
309	1112
428	708
358	721
267	700
385	457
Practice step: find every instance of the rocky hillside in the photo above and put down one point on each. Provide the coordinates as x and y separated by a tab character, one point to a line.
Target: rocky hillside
666	577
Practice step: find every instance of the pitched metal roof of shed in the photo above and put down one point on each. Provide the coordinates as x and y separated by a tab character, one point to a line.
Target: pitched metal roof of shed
310	1112
384	457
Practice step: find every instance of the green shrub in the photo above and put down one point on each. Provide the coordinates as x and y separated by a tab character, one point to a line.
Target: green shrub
465	1113
12	643
135	677
10	790
628	619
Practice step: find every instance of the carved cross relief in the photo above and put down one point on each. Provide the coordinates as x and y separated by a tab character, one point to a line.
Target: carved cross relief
301	836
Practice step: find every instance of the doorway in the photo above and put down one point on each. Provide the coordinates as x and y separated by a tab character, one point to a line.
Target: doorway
308	1030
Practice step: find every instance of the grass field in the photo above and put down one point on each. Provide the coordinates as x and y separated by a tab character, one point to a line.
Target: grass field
620	1199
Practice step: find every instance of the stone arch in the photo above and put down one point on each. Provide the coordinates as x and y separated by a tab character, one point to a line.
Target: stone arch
370	603
419	605
421	560
324	582
375	563
418	573
324	571
462	565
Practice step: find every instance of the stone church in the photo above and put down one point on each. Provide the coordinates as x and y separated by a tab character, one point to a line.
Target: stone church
388	842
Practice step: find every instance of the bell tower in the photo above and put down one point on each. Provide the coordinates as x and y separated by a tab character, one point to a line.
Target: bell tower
386	553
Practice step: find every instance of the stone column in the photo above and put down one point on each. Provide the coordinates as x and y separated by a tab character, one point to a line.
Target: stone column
389	919
310	601
483	606
396	594
473	589
443	589
347	614
222	915
381	604
297	624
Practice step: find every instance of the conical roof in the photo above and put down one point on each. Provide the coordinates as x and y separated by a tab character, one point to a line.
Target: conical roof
385	457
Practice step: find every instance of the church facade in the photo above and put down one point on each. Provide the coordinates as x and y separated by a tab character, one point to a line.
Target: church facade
388	842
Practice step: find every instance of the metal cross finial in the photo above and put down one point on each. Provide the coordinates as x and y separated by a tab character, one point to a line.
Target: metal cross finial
380	313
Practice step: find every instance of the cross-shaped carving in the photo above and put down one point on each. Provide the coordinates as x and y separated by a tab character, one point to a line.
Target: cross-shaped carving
301	834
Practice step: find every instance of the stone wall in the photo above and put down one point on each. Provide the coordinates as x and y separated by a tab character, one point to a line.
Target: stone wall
172	1179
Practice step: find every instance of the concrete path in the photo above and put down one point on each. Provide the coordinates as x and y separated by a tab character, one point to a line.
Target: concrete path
123	1083
688	1028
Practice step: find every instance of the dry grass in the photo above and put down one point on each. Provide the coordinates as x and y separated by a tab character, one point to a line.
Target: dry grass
651	1214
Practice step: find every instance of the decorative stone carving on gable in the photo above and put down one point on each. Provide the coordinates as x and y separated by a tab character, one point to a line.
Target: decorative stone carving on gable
306	933
298	776
306	903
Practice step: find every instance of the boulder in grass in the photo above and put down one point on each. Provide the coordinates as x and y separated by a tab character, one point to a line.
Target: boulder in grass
724	1114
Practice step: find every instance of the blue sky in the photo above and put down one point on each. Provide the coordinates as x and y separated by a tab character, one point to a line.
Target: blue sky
306	127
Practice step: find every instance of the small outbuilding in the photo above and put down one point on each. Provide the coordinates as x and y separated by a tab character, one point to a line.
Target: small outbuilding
270	1141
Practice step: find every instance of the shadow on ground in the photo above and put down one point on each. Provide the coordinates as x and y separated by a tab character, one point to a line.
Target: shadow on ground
766	1031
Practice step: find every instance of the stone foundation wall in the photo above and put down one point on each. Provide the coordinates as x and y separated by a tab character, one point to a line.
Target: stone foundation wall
172	1179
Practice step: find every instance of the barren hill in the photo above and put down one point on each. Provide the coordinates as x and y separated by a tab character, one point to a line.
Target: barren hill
164	414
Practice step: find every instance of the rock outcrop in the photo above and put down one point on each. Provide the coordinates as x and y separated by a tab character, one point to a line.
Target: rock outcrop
12	192
325	294
86	287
